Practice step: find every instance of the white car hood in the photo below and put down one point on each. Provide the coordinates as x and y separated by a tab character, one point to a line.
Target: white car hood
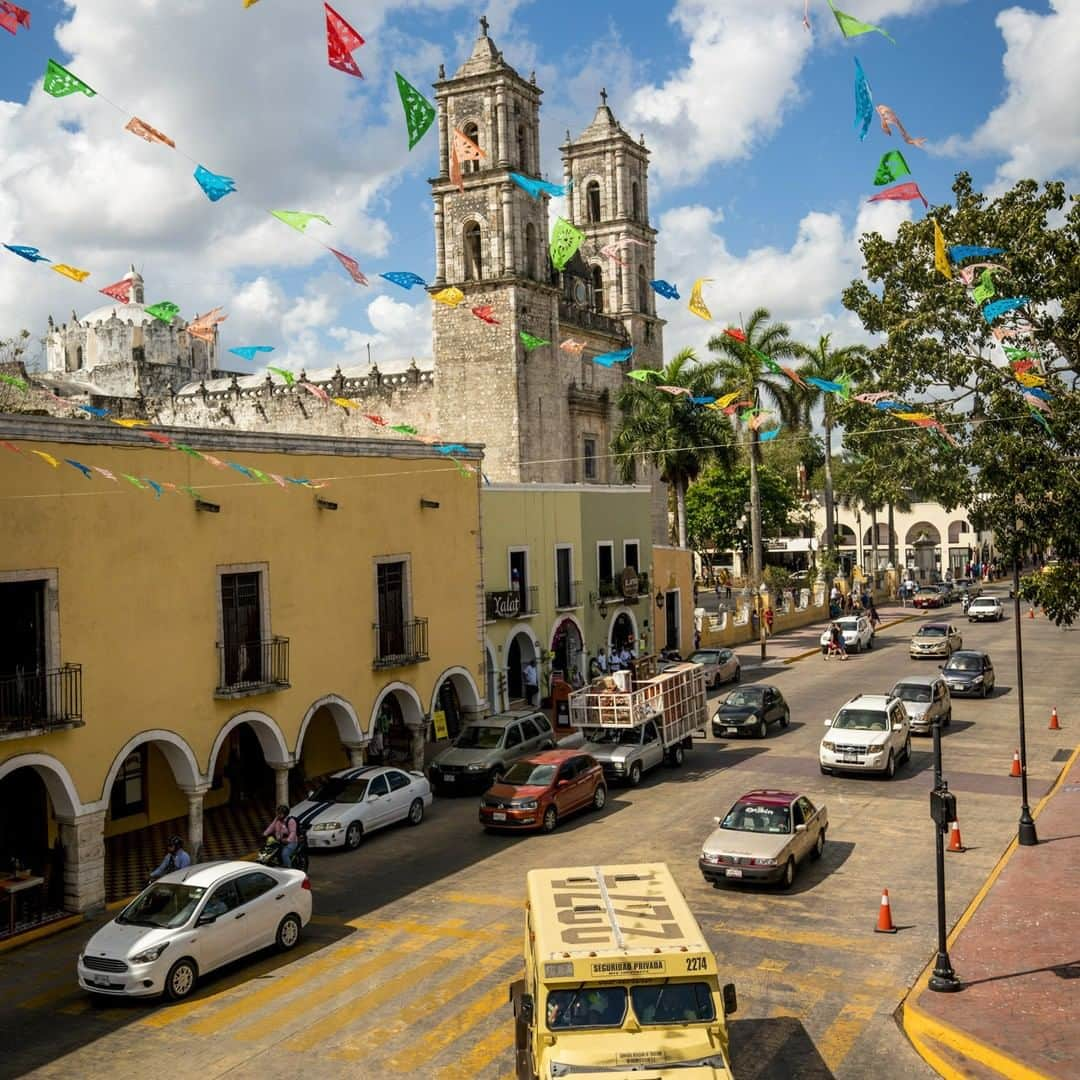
852	737
120	941
760	845
310	813
915	709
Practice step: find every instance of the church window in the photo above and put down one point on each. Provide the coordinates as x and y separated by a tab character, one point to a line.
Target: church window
138	353
597	288
474	267
592	200
532	264
642	289
522	147
471	131
78	358
635	201
589	460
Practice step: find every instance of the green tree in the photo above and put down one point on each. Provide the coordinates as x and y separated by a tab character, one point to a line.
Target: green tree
669	431
747	366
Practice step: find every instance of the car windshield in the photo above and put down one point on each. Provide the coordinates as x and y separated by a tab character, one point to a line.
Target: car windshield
750	697
479	736
755	817
932	631
964	663
850	625
614	736
673	1003
860	720
527	773
707	658
599	1006
983	602
339	789
162	905
911	692
928	592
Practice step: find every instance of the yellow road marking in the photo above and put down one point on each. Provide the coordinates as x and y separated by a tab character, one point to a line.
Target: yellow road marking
841	1034
449	928
789	936
498	1042
772	965
48	997
481	899
411	1060
316	1034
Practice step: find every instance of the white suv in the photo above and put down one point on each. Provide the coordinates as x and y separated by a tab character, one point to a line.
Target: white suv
870	733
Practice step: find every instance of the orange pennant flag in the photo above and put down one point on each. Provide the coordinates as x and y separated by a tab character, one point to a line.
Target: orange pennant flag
462	148
202	326
150	134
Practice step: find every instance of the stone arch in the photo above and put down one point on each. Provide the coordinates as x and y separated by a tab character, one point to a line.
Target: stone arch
472	249
594	203
596	274
845	536
574	656
407	726
528	647
643	288
493	684
882	534
408	699
957	529
271	740
465	685
57	780
344	716
456	695
175	750
472	130
923	532
622	613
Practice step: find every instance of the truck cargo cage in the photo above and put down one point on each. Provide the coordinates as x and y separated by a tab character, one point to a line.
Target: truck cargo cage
676	695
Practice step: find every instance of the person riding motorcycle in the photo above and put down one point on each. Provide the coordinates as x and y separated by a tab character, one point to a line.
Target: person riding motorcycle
176	858
284	830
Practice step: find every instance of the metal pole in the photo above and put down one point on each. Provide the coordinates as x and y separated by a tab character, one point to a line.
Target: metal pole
944	979
761	623
1026	834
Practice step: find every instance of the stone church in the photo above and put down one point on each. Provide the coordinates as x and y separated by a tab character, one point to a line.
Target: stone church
545	415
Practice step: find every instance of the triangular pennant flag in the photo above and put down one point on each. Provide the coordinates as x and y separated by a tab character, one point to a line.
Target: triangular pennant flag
451	296
70	272
665	289
346	403
852	27
403	429
145	131
30	254
565	241
165	310
536	188
12	16
610	358
215	186
287	375
202	326
405	278
94	410
941	262
462	148
961	252
318	391
901	193
47	457
84	469
1000	307
119	290
891	167
298	219
419	112
59	82
530	341
736	333
351	266
642	375
985	290
674	391
341	39
889	120
486	313
768	436
247	352
572	346
126	423
864	101
697	304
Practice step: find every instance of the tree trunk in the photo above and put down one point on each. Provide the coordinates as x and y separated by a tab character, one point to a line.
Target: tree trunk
873	540
755	512
892	538
830	509
680	509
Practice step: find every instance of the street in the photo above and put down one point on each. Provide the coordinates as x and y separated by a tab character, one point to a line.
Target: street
404	970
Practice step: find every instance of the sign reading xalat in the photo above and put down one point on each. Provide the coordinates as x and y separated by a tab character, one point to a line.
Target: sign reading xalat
503	605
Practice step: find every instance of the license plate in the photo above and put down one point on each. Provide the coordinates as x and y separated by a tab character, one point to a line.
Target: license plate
732	731
498	817
449	779
957	686
733	871
850	759
105	984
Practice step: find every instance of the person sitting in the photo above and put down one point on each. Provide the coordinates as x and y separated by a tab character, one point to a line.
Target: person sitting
284	830
176	858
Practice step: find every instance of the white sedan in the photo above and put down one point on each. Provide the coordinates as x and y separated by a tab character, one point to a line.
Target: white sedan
857	631
354	802
192	921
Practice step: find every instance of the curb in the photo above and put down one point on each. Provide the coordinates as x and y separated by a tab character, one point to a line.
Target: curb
39	932
814	652
919	1026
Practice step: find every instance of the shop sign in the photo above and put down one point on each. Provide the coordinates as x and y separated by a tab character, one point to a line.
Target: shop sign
438	718
629	583
503	605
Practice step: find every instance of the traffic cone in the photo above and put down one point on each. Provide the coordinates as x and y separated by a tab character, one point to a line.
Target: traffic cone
884	918
1054	725
1015	770
1031	613
955	843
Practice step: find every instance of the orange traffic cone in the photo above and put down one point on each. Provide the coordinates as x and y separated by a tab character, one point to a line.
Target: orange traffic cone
1015	770
955	843
1031	613
884	918
1054	725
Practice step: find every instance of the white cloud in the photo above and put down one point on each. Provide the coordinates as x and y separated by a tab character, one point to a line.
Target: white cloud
401	332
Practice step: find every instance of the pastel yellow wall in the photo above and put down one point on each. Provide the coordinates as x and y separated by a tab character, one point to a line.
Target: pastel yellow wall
674	568
138	598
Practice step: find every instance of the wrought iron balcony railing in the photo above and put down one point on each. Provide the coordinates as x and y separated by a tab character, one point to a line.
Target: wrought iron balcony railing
40	700
401	643
567	595
252	667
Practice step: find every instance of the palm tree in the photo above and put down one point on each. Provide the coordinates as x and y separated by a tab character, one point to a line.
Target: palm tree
675	434
823	362
747	363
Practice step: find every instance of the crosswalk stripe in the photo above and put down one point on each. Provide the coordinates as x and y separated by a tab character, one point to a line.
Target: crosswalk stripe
409	1061
318	1033
69	988
494	1045
840	1035
481	899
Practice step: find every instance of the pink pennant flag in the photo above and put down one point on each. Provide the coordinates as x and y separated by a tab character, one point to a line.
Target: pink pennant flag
279	480
486	313
900	193
318	391
674	390
202	326
889	120
794	376
572	346
216	462
351	265
375	419
341	39
12	17
105	472
145	131
462	148
967	273
119	290
157	437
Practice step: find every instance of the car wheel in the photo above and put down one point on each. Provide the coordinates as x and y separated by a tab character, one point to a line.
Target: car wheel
762	729
353	835
857	647
288	933
416	812
551	819
635	774
785	719
181	980
819	844
599	798
789	873
676	756
890	766
985	690
824	769
738	674
907	749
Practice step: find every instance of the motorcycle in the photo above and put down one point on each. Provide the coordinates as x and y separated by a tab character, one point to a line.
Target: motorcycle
965	601
270	853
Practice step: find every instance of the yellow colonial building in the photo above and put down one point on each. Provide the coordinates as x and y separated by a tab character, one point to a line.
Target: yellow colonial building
192	618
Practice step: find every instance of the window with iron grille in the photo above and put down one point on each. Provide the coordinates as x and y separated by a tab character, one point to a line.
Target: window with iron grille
241	627
391	584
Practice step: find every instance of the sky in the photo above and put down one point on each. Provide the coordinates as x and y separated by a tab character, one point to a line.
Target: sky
757	177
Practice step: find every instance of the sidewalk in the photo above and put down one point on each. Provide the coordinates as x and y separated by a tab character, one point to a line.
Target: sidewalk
1017	951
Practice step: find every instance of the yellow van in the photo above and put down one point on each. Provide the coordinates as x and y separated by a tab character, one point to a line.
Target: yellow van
619	982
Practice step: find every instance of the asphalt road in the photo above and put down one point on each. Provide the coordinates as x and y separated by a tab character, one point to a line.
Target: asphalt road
404	970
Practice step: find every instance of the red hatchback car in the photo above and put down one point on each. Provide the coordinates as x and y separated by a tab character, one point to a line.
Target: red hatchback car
537	792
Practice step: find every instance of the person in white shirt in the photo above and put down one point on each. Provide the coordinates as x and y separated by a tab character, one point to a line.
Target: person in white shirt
532	682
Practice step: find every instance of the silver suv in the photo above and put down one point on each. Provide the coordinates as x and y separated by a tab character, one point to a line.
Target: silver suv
485	749
925	698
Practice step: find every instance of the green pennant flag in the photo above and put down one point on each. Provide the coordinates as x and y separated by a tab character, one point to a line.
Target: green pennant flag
531	342
1019	354
287	375
165	310
768	361
985	290
891	167
565	240
188	450
642	374
404	429
60	82
260	476
419	112
133	480
298	219
852	27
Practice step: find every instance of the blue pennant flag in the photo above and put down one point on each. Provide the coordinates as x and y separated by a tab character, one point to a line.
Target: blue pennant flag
890	405
31	254
93	410
1000	307
405	278
247	352
84	469
241	469
864	101
665	289
452	448
609	358
215	186
768	436
705	399
960	252
536	188
157	487
1036	391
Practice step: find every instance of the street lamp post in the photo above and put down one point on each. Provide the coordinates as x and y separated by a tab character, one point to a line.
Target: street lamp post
762	594
942	811
1026	834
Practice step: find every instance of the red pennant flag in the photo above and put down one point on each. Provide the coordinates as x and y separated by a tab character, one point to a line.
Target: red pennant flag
486	313
158	437
351	265
902	193
375	419
12	17
341	39
119	290
738	335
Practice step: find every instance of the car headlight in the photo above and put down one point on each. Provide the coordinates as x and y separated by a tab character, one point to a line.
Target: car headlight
326	826
150	955
876	748
706	857
826	745
476	766
528	804
618	766
977	679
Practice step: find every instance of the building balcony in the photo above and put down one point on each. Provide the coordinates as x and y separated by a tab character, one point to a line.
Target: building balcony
567	595
246	668
41	702
400	644
586	319
512	603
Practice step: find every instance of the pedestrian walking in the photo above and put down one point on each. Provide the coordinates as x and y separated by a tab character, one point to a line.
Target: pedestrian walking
768	621
532	682
875	618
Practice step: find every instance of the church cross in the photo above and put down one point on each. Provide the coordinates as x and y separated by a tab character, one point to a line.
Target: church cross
603	95
484	25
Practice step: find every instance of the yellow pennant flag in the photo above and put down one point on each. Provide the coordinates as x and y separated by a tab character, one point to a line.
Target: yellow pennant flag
1027	379
129	423
450	296
346	403
71	272
914	417
250	3
697	305
941	261
47	457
